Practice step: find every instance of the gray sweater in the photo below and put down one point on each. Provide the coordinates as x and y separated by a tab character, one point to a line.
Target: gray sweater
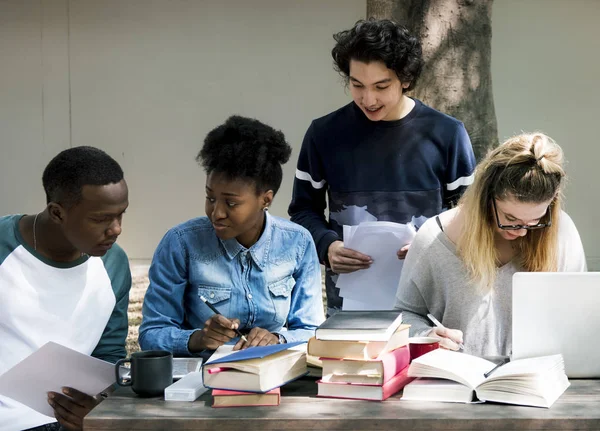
435	281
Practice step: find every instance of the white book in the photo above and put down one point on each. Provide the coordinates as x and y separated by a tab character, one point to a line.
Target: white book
537	382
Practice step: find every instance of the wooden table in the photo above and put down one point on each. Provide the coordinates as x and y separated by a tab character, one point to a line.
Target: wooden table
300	409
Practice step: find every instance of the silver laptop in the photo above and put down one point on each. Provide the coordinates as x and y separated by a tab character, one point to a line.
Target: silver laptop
558	312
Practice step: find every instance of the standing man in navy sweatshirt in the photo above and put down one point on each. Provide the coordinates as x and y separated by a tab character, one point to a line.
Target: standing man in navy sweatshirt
384	156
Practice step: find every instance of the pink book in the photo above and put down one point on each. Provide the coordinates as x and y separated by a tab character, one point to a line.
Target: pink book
365	392
366	372
223	398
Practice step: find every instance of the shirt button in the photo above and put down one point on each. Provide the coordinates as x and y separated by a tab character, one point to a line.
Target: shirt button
249	296
212	295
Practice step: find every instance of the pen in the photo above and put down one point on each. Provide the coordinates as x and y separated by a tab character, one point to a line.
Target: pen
504	361
212	307
439	325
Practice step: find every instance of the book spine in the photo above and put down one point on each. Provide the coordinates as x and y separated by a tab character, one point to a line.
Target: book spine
396	384
393	362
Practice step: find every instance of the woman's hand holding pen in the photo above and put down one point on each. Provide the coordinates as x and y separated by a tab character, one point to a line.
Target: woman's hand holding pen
450	339
217	331
257	337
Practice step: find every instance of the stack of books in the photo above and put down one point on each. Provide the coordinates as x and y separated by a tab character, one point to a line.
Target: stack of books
252	377
364	354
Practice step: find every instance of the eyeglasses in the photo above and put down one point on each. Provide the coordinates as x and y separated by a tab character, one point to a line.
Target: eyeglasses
523	226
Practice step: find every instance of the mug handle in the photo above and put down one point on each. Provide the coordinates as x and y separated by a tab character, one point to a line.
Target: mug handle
120	380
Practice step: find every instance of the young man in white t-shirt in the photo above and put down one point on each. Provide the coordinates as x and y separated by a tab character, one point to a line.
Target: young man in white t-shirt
63	279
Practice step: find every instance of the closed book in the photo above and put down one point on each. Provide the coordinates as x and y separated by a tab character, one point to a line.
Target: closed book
364	392
256	369
375	325
358	349
373	372
537	382
223	398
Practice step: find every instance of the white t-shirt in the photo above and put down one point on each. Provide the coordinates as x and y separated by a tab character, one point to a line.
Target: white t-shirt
81	305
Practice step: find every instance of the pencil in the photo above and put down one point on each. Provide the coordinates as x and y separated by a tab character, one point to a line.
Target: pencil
212	307
504	361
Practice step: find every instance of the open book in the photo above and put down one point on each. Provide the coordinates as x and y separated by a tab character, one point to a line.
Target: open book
256	369
534	382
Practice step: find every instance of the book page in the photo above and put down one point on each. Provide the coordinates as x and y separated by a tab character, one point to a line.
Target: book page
529	366
446	364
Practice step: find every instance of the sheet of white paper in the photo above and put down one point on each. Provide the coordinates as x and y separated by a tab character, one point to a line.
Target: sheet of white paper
375	287
50	368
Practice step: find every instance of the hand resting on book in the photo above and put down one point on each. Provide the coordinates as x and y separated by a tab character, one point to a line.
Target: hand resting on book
257	337
449	338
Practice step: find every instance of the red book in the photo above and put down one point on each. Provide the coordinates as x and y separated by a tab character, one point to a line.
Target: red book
368	372
365	392
223	398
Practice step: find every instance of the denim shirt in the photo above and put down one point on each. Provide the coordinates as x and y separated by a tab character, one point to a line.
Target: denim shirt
275	284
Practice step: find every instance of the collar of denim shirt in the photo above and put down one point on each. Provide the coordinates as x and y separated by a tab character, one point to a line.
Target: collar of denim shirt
259	250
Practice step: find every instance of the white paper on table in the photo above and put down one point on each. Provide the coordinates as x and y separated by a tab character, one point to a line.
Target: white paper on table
374	288
50	368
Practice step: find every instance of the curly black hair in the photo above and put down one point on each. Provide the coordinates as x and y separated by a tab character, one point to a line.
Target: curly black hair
247	149
379	40
76	167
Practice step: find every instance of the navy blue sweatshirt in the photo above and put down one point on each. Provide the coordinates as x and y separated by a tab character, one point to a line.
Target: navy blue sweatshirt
401	171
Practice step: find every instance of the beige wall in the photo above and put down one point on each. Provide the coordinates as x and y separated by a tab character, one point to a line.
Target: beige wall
146	80
545	69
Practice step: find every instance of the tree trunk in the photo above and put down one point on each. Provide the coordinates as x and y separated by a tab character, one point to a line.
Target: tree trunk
456	36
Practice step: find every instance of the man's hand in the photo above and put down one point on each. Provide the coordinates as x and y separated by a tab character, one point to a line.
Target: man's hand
449	338
217	331
343	260
71	406
257	337
403	251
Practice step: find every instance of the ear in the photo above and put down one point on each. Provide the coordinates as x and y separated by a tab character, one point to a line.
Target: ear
57	212
267	198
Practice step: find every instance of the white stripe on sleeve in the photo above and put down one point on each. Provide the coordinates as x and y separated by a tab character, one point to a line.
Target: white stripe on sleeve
306	177
462	181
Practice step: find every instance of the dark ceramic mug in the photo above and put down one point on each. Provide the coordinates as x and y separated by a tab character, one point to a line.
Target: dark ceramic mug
151	372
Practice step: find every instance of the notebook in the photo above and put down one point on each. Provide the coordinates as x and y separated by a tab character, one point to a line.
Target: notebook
223	398
534	382
376	325
256	369
358	349
557	312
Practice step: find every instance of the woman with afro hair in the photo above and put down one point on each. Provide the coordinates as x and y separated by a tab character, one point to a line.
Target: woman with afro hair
260	271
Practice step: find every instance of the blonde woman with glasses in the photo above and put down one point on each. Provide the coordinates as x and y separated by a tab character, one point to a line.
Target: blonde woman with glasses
461	263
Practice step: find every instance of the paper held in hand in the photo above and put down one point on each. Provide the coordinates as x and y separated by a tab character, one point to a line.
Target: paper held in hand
50	368
381	240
